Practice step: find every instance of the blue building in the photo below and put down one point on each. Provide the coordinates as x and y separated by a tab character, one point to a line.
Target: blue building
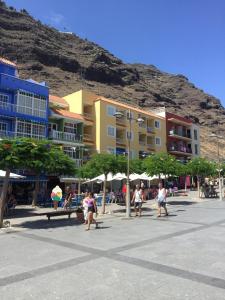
23	104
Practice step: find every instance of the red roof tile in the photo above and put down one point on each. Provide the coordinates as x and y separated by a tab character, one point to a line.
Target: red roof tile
58	100
68	114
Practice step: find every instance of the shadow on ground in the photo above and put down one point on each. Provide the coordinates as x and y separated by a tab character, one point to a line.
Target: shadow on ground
182	202
20	212
123	210
45	224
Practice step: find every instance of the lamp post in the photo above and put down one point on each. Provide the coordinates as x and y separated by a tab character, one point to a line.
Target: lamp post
119	115
218	137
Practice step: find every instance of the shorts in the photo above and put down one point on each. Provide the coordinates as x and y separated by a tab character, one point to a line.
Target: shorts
91	209
137	204
162	204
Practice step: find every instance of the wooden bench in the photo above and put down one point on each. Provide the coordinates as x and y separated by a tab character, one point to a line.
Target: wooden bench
57	213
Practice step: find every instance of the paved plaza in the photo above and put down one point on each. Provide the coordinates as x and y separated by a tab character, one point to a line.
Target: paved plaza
177	257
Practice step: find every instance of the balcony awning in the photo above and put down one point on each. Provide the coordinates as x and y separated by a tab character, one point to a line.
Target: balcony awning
180	122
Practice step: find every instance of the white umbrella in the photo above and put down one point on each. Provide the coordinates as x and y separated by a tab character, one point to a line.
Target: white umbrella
119	176
100	178
12	175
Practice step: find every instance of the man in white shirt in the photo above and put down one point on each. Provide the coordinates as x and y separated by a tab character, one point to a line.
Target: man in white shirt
137	200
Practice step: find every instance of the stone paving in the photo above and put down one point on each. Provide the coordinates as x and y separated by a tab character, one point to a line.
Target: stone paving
175	257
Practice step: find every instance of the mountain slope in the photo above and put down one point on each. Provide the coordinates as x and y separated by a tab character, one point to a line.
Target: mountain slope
69	63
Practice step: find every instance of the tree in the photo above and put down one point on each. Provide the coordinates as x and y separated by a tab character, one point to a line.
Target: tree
162	163
201	167
37	156
45	158
9	159
136	166
104	163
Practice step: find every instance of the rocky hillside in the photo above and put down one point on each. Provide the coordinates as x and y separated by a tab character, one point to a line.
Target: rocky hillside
69	63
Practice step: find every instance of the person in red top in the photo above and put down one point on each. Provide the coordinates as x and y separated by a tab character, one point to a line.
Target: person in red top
124	191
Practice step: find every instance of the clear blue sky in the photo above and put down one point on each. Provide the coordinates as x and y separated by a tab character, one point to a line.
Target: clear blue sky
177	36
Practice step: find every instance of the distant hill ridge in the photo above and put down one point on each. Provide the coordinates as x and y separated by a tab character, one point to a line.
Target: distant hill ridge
68	63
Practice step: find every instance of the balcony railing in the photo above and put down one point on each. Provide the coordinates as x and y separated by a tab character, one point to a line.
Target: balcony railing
150	129
175	132
142	125
180	149
120	141
11	134
142	143
150	145
88	136
64	136
9	107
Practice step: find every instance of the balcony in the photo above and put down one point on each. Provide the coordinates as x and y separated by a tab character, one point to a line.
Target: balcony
150	146
11	134
87	137
180	150
178	135
121	122
142	143
150	130
120	141
142	125
14	110
64	136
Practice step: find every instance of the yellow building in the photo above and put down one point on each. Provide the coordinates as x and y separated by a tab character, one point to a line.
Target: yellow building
103	132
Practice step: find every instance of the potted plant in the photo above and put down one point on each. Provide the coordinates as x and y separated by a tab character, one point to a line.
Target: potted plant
80	214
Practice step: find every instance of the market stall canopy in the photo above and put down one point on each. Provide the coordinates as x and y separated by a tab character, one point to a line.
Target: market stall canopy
119	176
142	176
110	177
100	178
12	175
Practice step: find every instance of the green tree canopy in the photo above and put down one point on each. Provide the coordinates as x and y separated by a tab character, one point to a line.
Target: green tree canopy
162	163
37	156
105	163
201	167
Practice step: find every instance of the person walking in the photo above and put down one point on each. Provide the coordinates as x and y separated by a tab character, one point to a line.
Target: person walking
85	207
92	208
137	200
68	198
161	199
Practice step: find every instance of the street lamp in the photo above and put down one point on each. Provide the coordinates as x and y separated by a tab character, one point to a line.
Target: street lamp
139	120
218	137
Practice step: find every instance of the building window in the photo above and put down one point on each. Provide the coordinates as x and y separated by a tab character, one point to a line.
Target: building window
196	134
111	110
30	104
3	126
111	131
111	150
30	130
157	124
158	141
4	99
70	128
196	149
52	126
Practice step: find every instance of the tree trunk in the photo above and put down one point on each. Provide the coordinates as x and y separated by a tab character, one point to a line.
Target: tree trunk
198	186
104	195
3	196
185	184
36	191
